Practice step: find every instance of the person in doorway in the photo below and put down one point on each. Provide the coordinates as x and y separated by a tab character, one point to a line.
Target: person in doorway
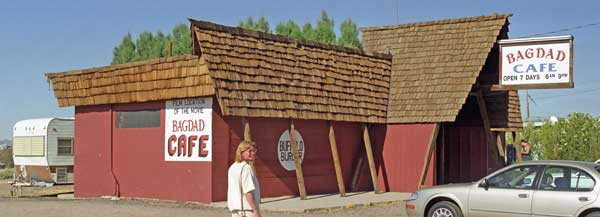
243	191
525	150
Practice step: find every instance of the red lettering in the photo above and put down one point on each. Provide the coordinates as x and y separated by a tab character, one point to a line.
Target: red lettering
191	145
520	56
171	149
550	54
181	145
561	55
540	52
529	53
203	152
510	58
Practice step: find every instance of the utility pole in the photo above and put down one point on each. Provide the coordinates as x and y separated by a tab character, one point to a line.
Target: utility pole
527	98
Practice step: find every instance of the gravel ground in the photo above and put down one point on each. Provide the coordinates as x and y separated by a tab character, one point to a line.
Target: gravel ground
52	207
32	205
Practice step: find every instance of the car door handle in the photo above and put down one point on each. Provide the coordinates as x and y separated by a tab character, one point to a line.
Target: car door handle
523	195
584	199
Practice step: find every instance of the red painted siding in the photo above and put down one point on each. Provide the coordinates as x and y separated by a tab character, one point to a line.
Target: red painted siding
92	153
138	159
317	165
403	156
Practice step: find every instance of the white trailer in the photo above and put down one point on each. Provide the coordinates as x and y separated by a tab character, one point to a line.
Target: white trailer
43	150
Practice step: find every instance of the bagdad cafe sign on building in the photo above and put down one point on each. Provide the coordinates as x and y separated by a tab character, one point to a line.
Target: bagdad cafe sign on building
536	63
188	129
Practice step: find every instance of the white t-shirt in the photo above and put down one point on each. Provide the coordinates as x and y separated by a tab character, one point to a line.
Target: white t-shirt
249	183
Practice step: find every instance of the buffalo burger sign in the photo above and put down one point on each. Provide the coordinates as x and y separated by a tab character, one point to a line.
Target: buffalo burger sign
535	63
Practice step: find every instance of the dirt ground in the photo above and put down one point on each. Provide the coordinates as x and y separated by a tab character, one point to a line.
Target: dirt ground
33	204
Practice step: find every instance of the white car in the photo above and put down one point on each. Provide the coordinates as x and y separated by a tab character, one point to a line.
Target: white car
533	188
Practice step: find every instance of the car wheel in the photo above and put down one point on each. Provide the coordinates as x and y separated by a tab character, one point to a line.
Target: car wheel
593	214
444	209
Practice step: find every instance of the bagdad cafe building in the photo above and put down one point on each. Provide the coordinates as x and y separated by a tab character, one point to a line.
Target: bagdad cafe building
416	107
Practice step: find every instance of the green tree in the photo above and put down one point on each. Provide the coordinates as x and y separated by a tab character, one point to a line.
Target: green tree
260	25
125	52
574	138
143	46
308	32
182	40
160	45
349	35
290	29
324	31
6	157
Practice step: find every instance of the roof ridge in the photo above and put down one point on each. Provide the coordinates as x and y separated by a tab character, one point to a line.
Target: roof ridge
438	22
123	65
284	39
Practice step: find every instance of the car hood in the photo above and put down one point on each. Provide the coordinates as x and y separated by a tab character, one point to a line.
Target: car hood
448	186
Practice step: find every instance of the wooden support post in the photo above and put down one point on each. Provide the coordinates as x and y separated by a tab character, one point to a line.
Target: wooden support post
486	123
517	145
336	161
297	162
247	137
428	154
499	144
357	172
441	156
369	151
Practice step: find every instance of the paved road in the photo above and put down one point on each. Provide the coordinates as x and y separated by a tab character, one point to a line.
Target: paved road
52	207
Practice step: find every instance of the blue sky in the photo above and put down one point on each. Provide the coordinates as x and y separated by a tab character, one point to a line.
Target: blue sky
52	36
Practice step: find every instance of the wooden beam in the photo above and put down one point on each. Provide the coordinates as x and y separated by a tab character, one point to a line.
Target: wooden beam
336	161
357	172
247	137
428	154
517	145
486	123
441	156
297	162
369	151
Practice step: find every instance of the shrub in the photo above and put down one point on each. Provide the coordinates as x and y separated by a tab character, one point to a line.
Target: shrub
7	173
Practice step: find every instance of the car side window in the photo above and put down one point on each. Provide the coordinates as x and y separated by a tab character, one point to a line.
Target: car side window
516	178
556	178
581	181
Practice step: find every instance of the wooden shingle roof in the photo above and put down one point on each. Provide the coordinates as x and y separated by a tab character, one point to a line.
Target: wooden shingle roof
435	64
504	110
257	74
157	79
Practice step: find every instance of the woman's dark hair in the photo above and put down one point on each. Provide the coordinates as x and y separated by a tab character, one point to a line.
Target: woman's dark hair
522	140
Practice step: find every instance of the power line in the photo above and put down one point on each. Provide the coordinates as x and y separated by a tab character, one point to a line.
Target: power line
569	94
564	30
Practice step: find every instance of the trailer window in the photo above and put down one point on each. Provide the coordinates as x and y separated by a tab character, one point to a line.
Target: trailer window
138	119
28	146
65	147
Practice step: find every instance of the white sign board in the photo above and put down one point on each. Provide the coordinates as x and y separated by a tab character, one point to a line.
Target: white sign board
532	63
188	129
284	150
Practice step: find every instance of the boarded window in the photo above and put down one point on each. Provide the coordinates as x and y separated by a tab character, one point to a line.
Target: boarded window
30	146
138	119
65	147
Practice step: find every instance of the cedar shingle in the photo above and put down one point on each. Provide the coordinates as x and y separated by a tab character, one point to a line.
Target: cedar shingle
436	64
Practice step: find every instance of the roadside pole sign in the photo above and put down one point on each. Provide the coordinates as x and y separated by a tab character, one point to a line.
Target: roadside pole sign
536	63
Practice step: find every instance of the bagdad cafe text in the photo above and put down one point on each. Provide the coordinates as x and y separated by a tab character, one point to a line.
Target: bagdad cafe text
188	129
536	63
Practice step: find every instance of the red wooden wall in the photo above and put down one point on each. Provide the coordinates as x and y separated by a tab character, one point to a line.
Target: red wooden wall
138	159
403	155
319	174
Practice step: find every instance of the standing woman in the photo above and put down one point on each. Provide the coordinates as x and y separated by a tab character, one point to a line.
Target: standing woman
526	150
243	192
